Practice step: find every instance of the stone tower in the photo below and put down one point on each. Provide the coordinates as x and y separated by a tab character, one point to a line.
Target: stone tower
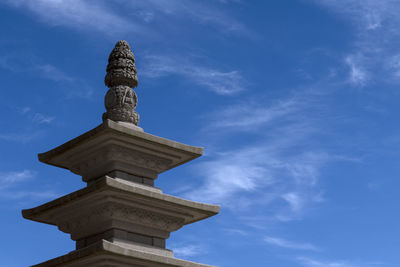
120	218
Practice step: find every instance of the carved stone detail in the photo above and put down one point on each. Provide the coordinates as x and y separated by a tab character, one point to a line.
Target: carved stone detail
121	154
120	100
140	159
117	211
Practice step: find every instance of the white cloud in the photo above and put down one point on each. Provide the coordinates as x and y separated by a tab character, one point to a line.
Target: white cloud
218	81
13	195
236	232
294	200
78	14
266	158
36	117
261	176
40	118
316	263
107	18
231	173
358	76
276	169
310	262
376	35
21	62
20	137
51	72
289	244
12	186
251	116
369	15
9	179
393	66
24	110
188	250
192	10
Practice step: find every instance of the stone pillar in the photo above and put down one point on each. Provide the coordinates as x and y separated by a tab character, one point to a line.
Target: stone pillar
120	218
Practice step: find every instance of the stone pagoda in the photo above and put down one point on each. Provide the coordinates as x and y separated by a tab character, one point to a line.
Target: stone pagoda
120	218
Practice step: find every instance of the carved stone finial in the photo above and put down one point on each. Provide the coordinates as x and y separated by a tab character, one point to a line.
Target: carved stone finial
120	100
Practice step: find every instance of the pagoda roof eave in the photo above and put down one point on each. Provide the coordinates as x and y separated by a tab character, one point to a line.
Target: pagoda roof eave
153	198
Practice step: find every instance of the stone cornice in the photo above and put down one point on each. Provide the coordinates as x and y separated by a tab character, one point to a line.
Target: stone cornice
103	253
111	203
112	146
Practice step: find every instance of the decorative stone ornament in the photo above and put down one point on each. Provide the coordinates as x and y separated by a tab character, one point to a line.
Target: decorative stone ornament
120	100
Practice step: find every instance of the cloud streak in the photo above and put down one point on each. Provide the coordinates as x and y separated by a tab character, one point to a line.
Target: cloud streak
28	63
9	181
279	242
374	56
107	18
42	119
219	82
20	137
188	250
274	168
317	263
357	75
77	14
252	116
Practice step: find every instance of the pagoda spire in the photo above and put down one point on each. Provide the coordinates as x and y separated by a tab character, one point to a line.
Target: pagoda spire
120	100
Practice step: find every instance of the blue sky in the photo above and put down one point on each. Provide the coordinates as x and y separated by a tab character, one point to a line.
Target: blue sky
295	101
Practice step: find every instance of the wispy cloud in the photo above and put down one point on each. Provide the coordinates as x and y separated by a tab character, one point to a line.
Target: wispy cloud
35	117
233	231
23	110
188	250
261	177
77	14
230	173
218	81
358	76
53	73
311	262
376	27
151	19
12	182
22	62
29	132
191	10
21	137
10	179
316	263
279	242
368	15
40	118
250	116
274	167
14	195
106	16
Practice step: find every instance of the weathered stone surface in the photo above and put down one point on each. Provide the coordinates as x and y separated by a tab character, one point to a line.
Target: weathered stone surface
114	147
120	100
140	212
121	69
107	254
